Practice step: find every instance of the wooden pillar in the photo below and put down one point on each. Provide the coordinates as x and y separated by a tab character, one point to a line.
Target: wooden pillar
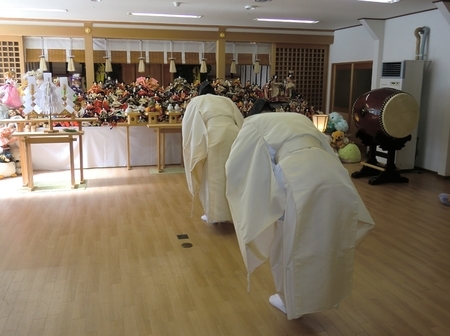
273	59
220	55
89	55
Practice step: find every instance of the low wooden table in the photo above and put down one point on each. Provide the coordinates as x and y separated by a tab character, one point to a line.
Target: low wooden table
161	130
26	139
21	124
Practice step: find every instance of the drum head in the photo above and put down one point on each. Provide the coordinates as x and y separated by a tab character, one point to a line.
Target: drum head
400	115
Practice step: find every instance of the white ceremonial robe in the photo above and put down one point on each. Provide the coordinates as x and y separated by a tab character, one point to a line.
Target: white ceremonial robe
301	211
210	125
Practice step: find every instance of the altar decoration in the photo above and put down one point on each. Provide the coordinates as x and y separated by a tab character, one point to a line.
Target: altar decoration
50	101
67	96
114	102
152	117
32	95
145	101
44	102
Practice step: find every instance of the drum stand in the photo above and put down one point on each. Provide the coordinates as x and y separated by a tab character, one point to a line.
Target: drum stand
382	173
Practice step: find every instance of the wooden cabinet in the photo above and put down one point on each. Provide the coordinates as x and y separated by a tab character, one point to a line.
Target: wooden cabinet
348	82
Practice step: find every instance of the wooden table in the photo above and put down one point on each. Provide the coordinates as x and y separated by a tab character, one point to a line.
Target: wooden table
80	138
128	140
161	130
26	139
21	124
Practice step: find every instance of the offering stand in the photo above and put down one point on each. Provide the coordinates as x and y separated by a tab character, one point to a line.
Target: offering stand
128	140
161	130
28	138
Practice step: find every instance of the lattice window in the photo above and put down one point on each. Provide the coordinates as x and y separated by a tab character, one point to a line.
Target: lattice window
308	68
10	58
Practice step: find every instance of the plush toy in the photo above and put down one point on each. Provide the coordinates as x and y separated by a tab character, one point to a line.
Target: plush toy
6	137
7	161
7	169
338	122
7	165
338	140
15	151
350	154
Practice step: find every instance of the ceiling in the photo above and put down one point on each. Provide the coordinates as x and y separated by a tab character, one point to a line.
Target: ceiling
331	14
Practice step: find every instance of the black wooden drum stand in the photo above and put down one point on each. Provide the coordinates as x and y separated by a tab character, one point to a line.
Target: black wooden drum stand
382	173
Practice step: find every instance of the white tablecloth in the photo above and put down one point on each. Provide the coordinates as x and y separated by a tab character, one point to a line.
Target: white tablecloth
107	147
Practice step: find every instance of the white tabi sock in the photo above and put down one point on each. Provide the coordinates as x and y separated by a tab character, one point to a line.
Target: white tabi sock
445	198
275	300
204	218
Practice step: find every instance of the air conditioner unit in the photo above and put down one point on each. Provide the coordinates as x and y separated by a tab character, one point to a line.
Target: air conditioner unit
406	76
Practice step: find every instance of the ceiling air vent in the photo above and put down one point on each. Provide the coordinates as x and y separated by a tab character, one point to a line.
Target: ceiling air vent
392	70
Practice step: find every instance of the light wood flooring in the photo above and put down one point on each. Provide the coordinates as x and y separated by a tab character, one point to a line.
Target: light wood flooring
107	261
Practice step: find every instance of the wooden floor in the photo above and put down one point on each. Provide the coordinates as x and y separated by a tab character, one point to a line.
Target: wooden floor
107	261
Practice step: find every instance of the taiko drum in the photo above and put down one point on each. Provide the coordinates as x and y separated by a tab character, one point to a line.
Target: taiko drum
386	111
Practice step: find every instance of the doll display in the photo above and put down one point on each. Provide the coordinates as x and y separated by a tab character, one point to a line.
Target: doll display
9	93
290	86
109	100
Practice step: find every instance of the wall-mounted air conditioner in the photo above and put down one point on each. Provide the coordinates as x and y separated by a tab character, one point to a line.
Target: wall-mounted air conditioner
406	76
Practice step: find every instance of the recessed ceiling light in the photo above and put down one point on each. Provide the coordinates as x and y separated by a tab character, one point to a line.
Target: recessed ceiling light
250	7
25	9
287	20
381	1
262	0
168	15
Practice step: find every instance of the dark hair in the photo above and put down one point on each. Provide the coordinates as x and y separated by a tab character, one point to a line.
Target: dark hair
205	88
260	106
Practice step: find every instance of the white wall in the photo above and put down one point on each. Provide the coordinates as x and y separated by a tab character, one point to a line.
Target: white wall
399	43
351	45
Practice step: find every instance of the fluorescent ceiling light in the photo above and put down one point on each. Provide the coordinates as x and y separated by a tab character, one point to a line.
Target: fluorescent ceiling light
286	20
381	1
167	15
37	9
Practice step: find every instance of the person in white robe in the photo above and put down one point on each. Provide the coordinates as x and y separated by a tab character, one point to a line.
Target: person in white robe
210	125
293	202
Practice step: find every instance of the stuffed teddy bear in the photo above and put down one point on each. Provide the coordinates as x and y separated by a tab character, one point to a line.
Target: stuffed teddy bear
338	122
338	140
